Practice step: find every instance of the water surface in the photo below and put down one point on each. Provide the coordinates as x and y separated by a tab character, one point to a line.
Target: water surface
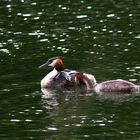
99	37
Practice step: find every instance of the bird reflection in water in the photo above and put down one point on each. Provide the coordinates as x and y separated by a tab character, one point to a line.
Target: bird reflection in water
60	97
116	96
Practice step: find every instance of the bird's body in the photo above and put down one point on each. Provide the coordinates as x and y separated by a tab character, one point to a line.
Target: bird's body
60	77
116	86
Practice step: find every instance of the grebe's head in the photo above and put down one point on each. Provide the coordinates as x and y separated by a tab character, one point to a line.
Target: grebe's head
55	62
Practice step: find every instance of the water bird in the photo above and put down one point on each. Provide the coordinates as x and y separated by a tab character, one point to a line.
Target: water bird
60	77
118	85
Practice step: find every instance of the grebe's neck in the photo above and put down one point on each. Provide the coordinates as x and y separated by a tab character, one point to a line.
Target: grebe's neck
59	68
47	80
89	80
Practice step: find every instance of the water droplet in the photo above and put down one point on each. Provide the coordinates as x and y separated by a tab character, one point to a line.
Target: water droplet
28	120
26	15
89	7
52	128
5	50
44	40
138	36
111	15
34	3
104	30
130	15
36	18
15	120
126	50
81	16
8	6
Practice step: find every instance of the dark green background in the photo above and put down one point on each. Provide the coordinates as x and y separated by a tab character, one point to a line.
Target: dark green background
99	37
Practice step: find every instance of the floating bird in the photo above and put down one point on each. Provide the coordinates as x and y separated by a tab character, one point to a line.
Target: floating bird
60	77
116	86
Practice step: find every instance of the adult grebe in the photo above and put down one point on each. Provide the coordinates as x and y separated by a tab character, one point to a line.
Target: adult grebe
116	86
60	77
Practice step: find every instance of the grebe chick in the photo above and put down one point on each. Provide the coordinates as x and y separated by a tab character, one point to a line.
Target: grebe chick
60	77
116	86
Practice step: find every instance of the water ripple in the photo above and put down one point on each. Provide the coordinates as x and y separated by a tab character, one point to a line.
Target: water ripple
96	37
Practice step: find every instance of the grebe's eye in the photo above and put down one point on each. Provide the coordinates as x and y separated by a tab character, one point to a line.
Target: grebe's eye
50	61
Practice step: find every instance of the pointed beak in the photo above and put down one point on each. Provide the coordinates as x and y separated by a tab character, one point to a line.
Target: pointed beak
43	65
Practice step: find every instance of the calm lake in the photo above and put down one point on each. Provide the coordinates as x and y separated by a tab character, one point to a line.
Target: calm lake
97	37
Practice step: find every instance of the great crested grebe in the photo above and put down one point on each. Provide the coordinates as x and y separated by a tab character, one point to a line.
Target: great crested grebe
60	77
116	86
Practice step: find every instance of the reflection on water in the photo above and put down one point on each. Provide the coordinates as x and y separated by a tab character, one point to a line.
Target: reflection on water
93	115
117	97
60	97
96	37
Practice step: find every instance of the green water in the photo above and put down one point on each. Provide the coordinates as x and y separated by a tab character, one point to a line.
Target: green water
98	37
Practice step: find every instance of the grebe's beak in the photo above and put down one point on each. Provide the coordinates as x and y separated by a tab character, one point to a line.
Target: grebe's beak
43	65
